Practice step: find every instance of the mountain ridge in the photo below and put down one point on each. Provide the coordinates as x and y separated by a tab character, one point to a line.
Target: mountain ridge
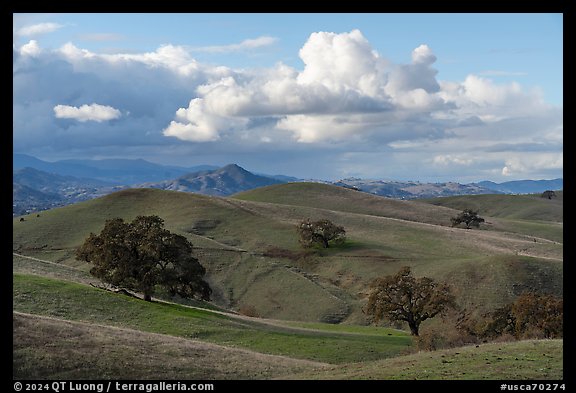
118	171
224	181
71	181
524	186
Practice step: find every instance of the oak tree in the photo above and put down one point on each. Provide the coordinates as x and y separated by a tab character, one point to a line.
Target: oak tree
402	297
322	232
141	255
469	217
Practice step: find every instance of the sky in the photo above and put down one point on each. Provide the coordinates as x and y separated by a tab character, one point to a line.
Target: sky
427	97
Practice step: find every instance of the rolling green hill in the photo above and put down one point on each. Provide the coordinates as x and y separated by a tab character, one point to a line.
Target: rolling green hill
253	259
522	207
232	236
512	361
342	199
522	214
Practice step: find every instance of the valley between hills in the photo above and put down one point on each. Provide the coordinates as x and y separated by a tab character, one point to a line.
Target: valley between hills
279	311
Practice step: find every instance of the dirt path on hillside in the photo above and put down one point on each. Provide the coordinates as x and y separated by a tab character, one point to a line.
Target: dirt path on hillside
49	262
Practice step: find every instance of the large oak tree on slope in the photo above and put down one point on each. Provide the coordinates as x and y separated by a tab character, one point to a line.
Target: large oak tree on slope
141	254
322	232
402	297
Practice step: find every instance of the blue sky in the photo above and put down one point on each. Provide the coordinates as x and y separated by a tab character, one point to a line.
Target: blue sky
431	97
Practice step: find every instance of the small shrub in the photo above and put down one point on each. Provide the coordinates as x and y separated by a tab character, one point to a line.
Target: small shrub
248	310
443	336
504	338
529	316
428	341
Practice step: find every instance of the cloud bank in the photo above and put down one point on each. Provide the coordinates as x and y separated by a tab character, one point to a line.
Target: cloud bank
353	110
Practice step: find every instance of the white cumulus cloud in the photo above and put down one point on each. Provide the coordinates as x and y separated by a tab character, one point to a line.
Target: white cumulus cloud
348	92
38	29
342	75
92	112
174	58
30	49
521	163
193	124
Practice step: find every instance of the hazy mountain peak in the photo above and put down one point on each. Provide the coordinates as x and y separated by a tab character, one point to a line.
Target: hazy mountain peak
227	180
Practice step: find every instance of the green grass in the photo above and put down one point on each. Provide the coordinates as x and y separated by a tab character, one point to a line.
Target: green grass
521	207
522	360
50	269
54	349
351	329
530	214
540	229
76	302
336	198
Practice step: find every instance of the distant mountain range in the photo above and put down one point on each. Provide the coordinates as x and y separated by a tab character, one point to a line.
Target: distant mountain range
34	190
40	185
524	186
414	190
117	171
27	199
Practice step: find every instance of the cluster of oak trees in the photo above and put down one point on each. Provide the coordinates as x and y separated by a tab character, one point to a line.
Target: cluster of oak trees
142	255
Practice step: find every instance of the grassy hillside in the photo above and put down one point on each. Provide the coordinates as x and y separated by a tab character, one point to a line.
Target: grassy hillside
65	228
231	237
221	232
76	302
63	330
254	261
31	265
520	214
524	214
48	348
325	196
522	360
522	207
